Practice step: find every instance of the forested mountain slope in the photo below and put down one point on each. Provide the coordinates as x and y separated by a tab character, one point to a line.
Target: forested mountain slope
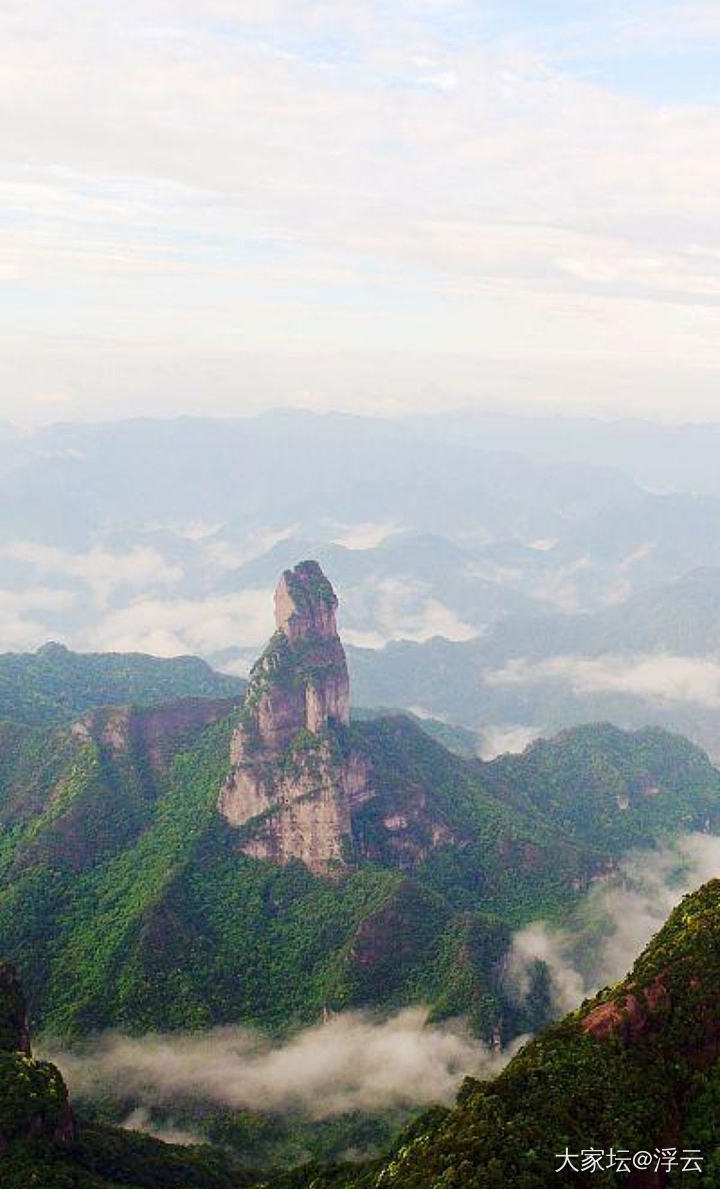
634	1070
126	898
43	1143
55	684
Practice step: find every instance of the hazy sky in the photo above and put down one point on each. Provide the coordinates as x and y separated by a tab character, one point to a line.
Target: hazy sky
219	205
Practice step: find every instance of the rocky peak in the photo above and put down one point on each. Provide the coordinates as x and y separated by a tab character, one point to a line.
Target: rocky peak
301	680
289	771
305	604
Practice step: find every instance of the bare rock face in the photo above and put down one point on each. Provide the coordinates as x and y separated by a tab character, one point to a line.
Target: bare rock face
301	680
153	729
295	778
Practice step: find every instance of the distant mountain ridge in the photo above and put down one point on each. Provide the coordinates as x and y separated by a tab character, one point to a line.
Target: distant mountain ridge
54	684
533	671
207	861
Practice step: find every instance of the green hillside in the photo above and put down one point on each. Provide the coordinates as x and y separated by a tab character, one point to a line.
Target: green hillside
125	899
129	902
55	684
636	1069
43	1144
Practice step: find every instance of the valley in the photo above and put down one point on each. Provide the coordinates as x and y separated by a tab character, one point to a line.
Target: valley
265	860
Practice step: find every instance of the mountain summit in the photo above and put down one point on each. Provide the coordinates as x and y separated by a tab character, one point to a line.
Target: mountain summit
301	680
292	782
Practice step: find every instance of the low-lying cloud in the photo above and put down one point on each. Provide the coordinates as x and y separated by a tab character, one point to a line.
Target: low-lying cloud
141	1119
503	738
99	569
366	535
352	1062
379	610
615	923
660	676
357	1062
171	627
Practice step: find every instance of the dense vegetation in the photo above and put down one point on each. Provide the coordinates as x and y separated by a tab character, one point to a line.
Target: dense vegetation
124	899
43	1145
54	684
637	1068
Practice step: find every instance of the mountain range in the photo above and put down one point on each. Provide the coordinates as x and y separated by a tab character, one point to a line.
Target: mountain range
625	1088
208	853
206	861
545	589
651	659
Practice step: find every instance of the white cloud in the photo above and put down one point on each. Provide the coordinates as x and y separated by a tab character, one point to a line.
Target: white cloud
423	712
350	1063
619	916
100	570
35	598
140	1119
244	619
18	632
538	942
500	739
318	182
174	627
189	530
227	555
364	536
383	609
364	639
656	677
239	666
559	587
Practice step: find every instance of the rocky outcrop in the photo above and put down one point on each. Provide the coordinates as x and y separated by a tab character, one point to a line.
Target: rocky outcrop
34	1102
295	777
301	680
156	731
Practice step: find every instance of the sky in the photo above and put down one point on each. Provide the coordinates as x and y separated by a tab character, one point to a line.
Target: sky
218	206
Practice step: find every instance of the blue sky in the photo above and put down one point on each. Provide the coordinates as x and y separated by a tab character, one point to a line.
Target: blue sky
222	206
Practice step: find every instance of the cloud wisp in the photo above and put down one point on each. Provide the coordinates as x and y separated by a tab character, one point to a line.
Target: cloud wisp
352	1062
656	676
615	922
355	1062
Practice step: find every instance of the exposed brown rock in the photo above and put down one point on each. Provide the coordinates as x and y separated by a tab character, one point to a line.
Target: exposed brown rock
30	1118
411	830
629	1018
288	770
154	730
305	604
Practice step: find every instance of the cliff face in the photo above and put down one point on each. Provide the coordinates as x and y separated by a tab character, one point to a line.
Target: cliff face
93	786
301	680
152	733
294	781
